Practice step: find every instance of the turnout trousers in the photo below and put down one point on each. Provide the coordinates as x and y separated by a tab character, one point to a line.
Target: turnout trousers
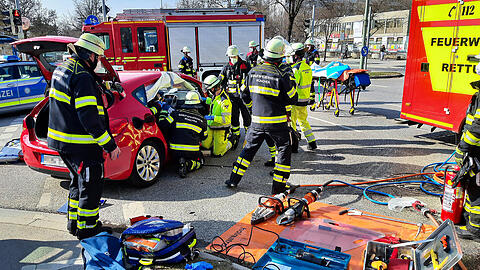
472	208
193	159
239	107
217	140
254	140
300	114
85	191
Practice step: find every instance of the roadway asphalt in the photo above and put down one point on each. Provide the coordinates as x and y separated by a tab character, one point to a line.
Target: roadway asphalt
368	145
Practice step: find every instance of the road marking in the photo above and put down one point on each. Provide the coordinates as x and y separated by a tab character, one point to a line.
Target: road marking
333	124
381	86
55	264
5	136
10	129
131	210
46	196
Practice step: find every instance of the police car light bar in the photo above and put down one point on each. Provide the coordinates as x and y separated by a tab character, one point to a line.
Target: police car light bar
9	58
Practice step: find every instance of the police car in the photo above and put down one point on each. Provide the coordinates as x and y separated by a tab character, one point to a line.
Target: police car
21	84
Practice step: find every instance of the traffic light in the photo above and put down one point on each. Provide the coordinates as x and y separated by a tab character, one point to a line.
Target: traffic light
7	20
17	18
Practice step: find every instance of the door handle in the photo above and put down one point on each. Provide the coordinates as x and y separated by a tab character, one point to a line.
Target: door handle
10	85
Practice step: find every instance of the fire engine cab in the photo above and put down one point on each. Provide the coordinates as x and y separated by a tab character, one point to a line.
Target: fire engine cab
441	64
152	39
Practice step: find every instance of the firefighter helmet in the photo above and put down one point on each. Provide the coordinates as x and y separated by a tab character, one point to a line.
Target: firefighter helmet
211	81
186	49
232	51
289	51
91	43
192	98
298	47
252	44
275	48
309	42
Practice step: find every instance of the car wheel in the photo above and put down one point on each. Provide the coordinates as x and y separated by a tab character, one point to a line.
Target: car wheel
147	165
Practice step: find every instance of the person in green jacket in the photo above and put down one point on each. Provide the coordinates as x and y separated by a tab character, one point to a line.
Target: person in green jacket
220	118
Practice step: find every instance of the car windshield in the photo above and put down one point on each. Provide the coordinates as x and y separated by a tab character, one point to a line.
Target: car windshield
54	58
169	84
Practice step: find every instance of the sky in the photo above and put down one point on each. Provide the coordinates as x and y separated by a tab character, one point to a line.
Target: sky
64	7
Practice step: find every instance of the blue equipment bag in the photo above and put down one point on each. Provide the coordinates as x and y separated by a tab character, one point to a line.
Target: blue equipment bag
102	251
158	241
362	79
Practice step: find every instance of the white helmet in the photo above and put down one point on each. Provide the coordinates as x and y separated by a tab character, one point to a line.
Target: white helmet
275	48
232	51
252	44
186	49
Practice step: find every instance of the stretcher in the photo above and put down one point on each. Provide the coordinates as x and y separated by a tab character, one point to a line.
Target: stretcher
335	79
248	245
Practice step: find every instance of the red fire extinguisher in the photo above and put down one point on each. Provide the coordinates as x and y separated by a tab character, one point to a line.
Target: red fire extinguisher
453	197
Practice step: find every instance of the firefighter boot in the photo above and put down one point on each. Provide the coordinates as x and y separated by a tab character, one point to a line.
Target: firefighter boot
312	145
234	139
278	187
270	163
182	168
463	233
233	181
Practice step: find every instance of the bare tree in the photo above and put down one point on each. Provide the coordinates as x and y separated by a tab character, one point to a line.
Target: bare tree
43	20
291	8
203	4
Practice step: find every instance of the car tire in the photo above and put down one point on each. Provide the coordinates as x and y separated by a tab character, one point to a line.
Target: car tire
147	165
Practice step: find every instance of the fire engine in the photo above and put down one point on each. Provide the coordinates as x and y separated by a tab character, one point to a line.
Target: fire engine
440	66
152	39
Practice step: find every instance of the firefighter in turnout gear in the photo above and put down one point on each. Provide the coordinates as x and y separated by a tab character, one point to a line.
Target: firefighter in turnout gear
271	90
469	143
252	55
187	128
303	79
233	77
219	119
78	129
186	63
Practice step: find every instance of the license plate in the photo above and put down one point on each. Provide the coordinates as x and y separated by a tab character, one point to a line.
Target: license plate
49	160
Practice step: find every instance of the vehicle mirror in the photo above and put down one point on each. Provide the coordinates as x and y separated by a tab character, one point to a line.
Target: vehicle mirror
137	123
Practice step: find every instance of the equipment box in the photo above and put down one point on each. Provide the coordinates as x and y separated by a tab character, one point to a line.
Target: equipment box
442	252
287	254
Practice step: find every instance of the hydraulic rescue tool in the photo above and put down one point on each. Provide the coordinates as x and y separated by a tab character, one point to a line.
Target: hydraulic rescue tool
268	206
296	210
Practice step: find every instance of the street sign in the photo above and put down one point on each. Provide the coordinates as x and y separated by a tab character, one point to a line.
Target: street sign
364	51
91	20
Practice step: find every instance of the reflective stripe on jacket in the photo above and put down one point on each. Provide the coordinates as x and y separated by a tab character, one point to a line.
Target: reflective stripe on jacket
303	78
221	109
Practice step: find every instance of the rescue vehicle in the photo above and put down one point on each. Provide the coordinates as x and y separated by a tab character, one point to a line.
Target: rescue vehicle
152	39
441	64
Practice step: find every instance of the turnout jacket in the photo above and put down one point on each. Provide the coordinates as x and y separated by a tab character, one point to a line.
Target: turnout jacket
470	140
221	109
233	76
252	58
186	66
270	88
303	78
78	121
186	130
312	57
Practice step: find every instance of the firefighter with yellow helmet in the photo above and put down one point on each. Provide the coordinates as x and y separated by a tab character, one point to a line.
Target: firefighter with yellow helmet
186	128
269	89
186	63
78	129
219	119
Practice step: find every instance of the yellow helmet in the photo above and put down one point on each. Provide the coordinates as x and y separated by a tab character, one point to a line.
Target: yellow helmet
192	98
232	51
275	48
91	43
211	81
252	44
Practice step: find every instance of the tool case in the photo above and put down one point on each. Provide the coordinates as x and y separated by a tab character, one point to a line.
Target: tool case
287	254
419	258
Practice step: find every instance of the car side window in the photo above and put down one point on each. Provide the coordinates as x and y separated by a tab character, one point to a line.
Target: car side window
140	95
8	73
29	71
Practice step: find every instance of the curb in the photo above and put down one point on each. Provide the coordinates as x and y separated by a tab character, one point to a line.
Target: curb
34	219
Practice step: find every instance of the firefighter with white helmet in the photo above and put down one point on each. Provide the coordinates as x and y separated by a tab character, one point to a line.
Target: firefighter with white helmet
252	55
303	79
270	89
219	119
186	128
186	63
78	129
232	78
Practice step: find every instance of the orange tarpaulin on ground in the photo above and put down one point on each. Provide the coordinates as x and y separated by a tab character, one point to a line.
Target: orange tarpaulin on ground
262	240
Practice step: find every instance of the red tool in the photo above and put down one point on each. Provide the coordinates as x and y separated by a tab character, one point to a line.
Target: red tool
296	210
268	206
445	244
